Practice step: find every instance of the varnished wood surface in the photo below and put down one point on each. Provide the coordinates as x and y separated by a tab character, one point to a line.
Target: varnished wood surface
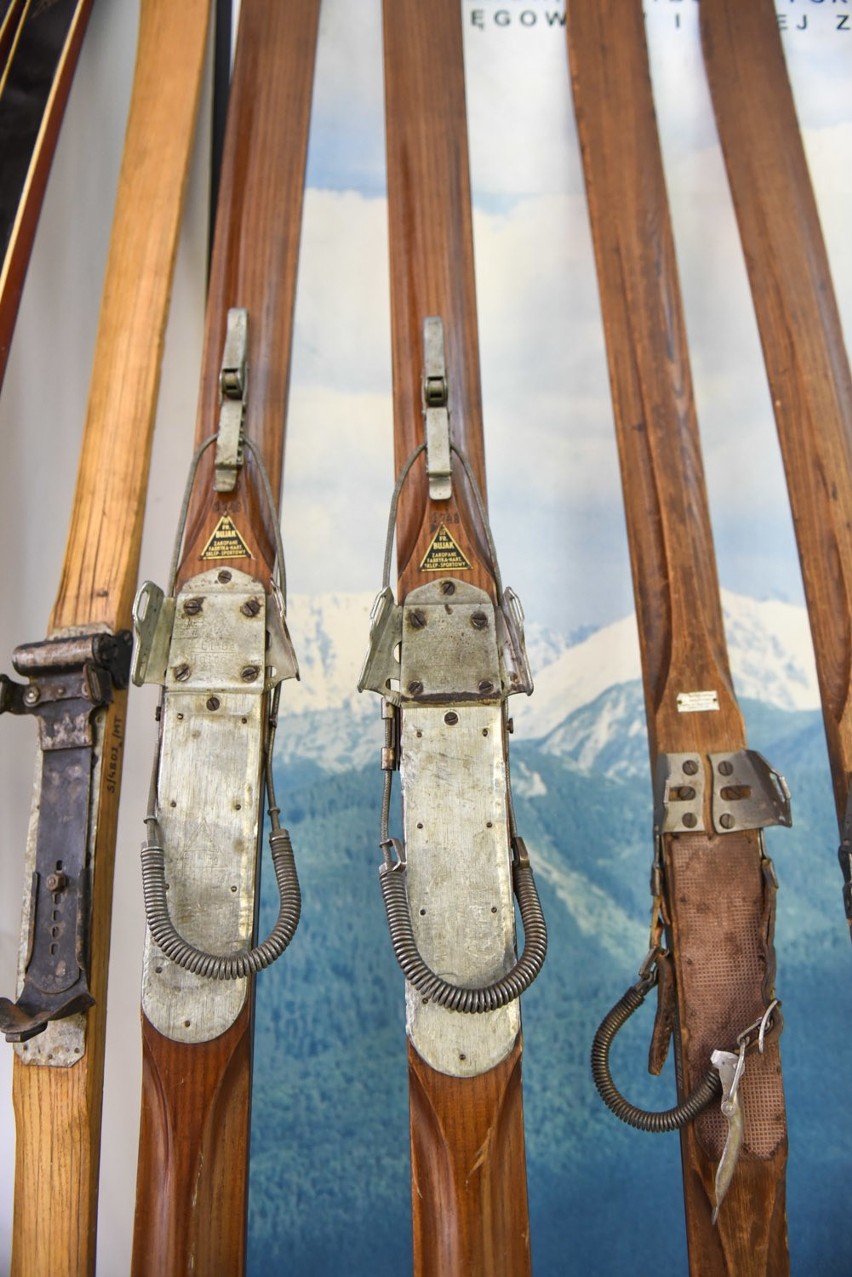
716	905
58	1111
800	331
469	1192
102	553
29	128
191	1206
428	177
194	1139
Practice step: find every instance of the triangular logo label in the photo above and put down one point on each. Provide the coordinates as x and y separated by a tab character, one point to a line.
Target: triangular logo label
444	555
226	542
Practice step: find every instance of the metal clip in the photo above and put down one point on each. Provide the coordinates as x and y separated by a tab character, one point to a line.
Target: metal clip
380	671
514	666
233	389
436	410
731	1068
747	793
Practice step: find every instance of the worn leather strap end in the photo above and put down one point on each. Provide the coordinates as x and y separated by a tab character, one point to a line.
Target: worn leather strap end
665	1018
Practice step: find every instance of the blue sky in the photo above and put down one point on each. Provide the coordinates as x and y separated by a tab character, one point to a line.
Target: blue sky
553	476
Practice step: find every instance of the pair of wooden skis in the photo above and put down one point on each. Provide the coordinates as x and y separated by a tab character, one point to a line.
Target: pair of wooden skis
711	949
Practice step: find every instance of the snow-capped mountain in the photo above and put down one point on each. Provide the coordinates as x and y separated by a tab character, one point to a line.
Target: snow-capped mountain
587	703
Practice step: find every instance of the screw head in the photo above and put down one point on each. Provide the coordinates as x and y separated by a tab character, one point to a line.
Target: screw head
479	621
448	587
690	820
726	768
224	577
251	607
726	820
415	687
690	767
181	673
687	793
192	606
249	673
32	695
57	881
416	619
213	702
486	686
451	718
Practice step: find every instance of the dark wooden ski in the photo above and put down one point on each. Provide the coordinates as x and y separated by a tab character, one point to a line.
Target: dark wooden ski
77	677
218	646
448	884
803	349
39	45
711	950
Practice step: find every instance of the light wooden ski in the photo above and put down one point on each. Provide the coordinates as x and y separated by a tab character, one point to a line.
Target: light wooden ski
39	47
58	1072
452	875
711	949
220	651
802	338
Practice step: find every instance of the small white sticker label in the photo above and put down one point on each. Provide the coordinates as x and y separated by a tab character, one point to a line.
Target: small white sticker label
696	702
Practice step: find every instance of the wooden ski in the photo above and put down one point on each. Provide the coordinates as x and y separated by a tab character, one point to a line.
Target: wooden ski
711	950
448	884
39	47
218	646
802	338
77	677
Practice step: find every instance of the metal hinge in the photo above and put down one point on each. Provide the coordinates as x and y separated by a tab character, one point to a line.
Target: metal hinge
233	392
436	410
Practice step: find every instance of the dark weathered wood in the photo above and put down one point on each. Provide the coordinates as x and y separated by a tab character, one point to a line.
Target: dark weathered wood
194	1142
42	44
469	1194
806	360
58	1110
716	892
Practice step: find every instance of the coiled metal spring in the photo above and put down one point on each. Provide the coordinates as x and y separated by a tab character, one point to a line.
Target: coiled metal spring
231	966
432	986
708	1089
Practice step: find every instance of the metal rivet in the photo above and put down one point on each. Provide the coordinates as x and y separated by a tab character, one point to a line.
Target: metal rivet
416	619
451	718
415	687
479	621
690	819
727	821
213	702
690	767
192	606
249	673
251	607
448	587
224	577
32	696
726	768
181	673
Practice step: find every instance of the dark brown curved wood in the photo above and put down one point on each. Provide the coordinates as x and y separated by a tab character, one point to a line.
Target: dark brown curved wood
58	1110
194	1140
469	1193
717	896
42	45
800	331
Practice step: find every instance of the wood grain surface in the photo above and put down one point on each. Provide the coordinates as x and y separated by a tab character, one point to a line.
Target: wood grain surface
192	1182
800	331
58	1110
718	895
469	1193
